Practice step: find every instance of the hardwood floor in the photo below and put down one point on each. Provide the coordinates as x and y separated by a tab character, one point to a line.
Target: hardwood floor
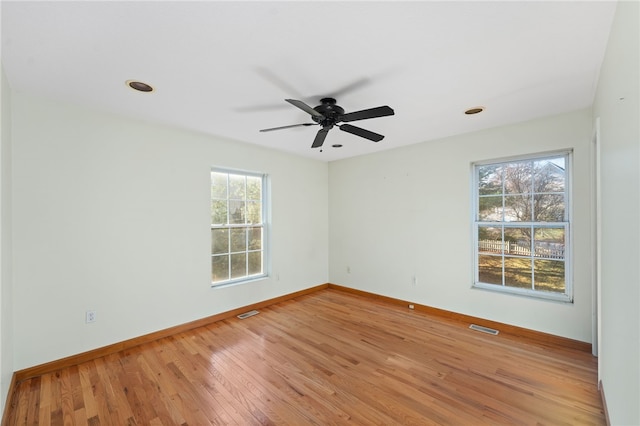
326	358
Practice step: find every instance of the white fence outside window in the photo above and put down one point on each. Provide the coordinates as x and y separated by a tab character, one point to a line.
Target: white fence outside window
545	250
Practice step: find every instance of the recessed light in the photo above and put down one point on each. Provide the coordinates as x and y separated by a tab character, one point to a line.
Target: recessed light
474	110
139	86
337	145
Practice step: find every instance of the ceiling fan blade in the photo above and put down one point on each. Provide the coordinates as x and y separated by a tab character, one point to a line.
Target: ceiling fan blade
382	111
320	137
288	127
350	87
277	81
361	132
306	108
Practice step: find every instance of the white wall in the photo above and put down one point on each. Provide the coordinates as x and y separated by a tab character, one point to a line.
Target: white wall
617	106
407	212
6	296
113	215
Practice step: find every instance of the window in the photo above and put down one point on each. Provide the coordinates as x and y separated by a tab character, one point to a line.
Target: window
238	231
521	226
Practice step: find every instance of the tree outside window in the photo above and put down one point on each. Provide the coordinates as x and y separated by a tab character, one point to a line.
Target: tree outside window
237	226
521	226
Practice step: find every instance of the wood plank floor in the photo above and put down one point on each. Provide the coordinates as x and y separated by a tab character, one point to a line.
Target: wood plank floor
326	358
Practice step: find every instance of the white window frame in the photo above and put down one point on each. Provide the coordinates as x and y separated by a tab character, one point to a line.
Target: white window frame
567	296
263	225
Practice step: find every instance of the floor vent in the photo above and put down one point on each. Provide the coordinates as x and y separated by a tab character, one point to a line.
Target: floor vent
484	329
248	314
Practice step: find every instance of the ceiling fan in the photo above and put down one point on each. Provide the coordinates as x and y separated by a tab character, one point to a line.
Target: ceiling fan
328	114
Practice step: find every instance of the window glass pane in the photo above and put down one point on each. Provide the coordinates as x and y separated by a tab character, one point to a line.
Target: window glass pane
238	239
255	262
510	253
517	178
219	241
490	180
238	265
549	275
517	241
490	240
517	272
549	175
490	208
490	269
236	187
219	268
236	212
254	188
517	208
218	185
238	228
219	212
254	212
255	238
549	243
549	208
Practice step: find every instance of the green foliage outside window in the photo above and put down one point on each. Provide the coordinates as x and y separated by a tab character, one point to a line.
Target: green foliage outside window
237	226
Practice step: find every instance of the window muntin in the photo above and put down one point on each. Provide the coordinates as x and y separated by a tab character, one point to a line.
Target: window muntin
238	229
521	226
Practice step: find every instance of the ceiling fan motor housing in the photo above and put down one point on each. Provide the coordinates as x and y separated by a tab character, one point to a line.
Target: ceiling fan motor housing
330	111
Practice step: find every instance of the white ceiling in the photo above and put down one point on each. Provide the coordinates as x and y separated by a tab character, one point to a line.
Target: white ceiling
224	68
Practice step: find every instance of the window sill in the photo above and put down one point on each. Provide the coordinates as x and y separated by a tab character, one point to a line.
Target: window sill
239	281
532	294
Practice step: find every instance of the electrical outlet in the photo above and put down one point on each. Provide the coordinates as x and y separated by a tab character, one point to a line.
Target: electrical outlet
90	316
348	269
411	306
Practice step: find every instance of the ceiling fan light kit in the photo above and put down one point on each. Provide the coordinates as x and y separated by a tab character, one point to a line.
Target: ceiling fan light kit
329	114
